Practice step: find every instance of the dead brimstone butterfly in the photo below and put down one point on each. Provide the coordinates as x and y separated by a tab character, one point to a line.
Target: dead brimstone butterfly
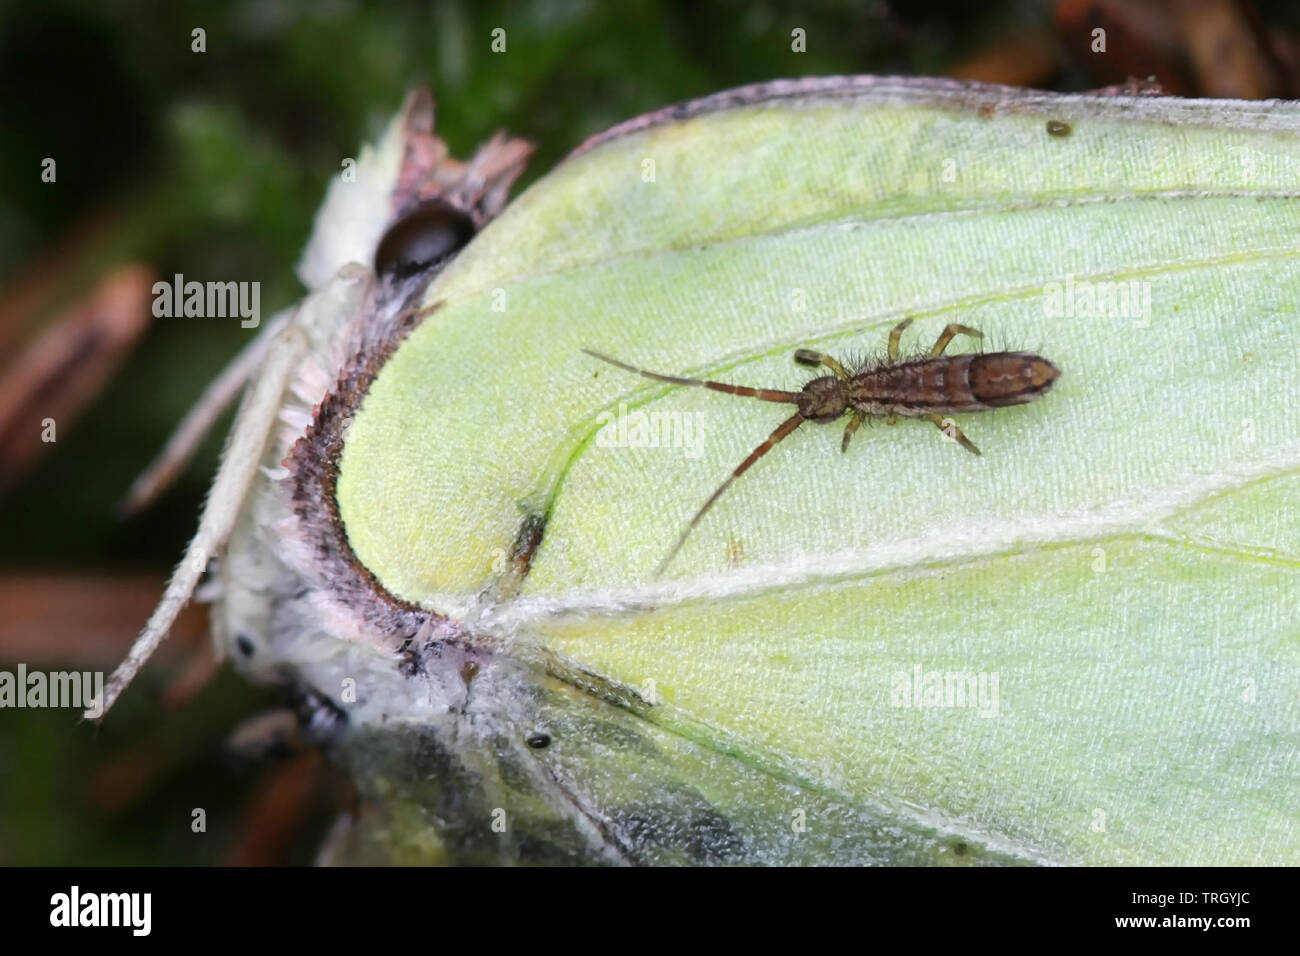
929	387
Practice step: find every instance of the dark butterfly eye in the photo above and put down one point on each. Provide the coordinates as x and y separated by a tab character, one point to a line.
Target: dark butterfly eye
426	236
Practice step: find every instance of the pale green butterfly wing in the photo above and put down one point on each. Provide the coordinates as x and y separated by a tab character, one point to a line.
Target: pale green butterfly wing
1114	581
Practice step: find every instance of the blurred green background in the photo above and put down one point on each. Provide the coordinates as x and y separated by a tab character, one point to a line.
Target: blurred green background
212	165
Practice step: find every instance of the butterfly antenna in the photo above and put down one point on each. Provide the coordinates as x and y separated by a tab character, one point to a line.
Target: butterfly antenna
784	429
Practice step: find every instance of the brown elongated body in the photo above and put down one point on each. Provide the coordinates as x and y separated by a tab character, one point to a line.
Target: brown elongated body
930	388
951	384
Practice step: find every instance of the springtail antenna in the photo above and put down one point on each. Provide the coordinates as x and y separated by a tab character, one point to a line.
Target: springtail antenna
782	430
762	394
